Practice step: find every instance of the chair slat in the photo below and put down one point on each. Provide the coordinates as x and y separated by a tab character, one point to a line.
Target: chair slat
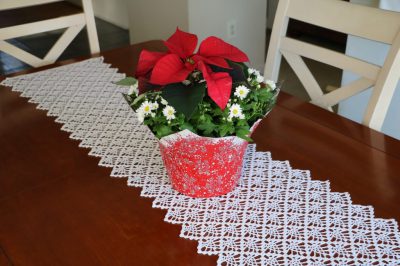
20	54
366	22
330	57
305	76
382	94
344	92
340	16
41	26
271	70
12	4
61	16
66	38
91	26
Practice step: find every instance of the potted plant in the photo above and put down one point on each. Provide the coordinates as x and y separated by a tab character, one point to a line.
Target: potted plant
202	107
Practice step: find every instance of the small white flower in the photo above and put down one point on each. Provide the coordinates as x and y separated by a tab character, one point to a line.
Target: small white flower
195	74
146	108
169	112
235	111
186	82
251	70
163	101
241	92
270	84
260	78
133	89
154	106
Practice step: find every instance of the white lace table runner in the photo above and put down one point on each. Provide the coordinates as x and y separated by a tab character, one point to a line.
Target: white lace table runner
276	216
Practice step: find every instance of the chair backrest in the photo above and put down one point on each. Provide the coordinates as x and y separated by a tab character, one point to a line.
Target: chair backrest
362	21
73	24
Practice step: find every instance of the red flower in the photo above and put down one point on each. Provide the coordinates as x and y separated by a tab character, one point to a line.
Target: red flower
180	61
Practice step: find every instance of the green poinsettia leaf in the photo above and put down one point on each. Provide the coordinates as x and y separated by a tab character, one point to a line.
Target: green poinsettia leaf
133	101
207	127
128	81
184	99
137	99
245	137
244	133
225	129
238	71
162	131
187	126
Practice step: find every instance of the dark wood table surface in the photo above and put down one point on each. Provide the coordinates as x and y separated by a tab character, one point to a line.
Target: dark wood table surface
58	207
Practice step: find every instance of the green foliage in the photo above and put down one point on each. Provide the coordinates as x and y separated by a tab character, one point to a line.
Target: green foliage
128	81
195	111
237	71
184	99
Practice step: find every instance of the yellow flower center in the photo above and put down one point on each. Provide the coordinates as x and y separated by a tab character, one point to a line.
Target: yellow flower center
147	108
170	112
235	111
190	61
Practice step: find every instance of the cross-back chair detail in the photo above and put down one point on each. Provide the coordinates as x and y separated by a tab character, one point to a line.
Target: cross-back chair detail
366	22
72	23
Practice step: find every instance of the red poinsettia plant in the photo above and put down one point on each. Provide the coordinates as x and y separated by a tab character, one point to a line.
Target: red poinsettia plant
175	65
210	92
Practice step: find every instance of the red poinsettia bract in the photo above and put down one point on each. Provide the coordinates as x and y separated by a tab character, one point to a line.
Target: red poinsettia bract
180	60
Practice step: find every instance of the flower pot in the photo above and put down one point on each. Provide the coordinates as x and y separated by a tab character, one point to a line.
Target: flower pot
202	167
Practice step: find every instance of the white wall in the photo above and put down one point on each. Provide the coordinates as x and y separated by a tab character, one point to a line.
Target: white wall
156	19
113	11
211	17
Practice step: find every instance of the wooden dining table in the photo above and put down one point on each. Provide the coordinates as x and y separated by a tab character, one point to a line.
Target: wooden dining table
58	207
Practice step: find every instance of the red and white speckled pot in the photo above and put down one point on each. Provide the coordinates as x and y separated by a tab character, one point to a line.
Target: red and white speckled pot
203	167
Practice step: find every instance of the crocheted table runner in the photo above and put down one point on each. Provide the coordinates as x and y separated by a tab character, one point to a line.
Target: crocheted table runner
276	216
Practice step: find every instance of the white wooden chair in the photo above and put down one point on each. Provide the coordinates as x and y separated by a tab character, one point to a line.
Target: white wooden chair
351	19
72	23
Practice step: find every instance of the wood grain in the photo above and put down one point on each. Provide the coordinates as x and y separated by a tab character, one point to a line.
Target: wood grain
58	207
